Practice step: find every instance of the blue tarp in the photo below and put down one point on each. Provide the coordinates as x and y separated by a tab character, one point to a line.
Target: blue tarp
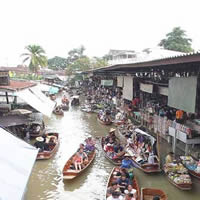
53	90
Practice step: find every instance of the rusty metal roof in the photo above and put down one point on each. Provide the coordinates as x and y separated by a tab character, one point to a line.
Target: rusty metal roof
17	85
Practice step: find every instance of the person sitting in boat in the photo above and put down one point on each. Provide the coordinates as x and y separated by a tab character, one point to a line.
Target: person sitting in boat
129	196
131	190
169	158
115	196
39	143
197	170
90	144
123	183
52	142
84	157
127	163
114	186
36	129
78	159
65	100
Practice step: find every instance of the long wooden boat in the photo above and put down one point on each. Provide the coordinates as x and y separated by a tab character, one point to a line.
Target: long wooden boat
109	122
113	179
44	155
192	172
69	173
116	162
147	168
181	186
149	193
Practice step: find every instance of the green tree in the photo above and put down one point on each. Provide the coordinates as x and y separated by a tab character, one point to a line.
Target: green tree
79	65
57	63
36	57
177	41
98	62
75	54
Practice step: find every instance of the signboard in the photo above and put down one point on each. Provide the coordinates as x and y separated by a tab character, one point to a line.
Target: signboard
163	90
146	88
182	93
128	88
107	82
120	81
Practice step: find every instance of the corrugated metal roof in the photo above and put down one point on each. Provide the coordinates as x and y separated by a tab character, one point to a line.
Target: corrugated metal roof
180	59
17	85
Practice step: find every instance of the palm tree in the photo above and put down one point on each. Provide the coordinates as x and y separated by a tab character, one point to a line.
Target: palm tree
36	57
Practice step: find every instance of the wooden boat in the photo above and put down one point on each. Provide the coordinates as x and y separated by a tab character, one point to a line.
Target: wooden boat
184	159
35	133
149	193
44	155
109	122
58	112
75	101
113	179
69	173
147	168
116	162
65	107
181	186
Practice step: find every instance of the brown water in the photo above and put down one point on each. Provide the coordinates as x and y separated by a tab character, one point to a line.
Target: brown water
46	179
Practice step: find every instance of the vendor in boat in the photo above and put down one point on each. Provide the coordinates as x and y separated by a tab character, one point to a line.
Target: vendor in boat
169	158
40	144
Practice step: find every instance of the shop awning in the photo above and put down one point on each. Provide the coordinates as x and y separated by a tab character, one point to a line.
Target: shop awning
35	98
17	160
13	120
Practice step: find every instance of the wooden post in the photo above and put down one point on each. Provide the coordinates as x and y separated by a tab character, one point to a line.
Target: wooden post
7	98
158	146
174	142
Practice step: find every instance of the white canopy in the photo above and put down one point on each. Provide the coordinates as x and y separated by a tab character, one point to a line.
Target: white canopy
34	97
137	130
17	159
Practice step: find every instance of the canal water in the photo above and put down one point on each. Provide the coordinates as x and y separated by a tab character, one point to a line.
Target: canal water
46	181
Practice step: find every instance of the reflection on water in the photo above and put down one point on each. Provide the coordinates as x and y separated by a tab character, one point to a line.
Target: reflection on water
46	180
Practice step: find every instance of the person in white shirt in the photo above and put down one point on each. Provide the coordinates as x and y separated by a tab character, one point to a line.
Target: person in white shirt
115	196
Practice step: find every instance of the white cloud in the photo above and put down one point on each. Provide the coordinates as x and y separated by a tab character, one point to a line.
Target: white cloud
99	25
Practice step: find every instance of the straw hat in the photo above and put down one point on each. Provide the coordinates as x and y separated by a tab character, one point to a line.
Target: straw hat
40	139
112	130
127	155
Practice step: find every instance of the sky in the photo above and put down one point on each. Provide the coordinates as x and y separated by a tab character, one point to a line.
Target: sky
99	25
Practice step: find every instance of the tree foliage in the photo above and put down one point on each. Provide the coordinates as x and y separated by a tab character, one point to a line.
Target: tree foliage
57	63
177	41
75	54
78	62
36	57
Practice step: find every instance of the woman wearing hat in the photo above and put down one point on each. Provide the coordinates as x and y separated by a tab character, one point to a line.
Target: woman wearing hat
128	164
39	143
